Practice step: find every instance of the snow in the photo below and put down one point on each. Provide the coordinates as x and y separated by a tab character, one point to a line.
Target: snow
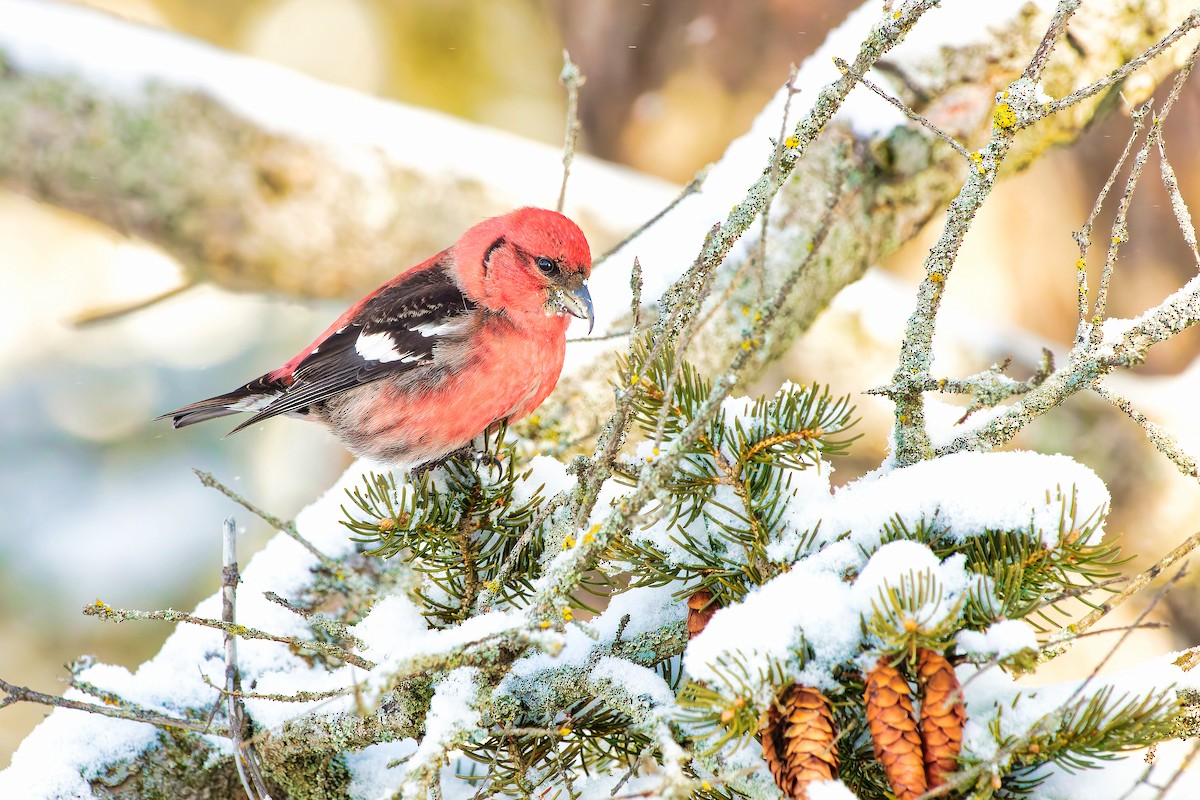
68	744
960	494
74	747
450	710
638	682
648	609
900	568
1001	640
396	635
812	605
549	473
765	629
370	776
830	790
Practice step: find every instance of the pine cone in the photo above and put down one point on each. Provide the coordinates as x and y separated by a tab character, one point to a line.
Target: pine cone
942	715
894	730
701	607
798	740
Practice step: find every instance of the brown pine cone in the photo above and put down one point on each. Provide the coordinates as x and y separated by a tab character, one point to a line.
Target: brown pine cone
799	741
942	715
894	730
701	607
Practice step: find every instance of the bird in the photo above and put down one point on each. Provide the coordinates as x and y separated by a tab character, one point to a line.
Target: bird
416	370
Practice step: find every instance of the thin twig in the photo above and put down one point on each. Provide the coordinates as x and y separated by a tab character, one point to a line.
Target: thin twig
765	218
99	315
116	708
1136	583
275	522
572	79
106	612
908	112
1162	439
295	697
244	759
693	186
1083	237
319	622
1190	23
635	289
1120	234
1183	217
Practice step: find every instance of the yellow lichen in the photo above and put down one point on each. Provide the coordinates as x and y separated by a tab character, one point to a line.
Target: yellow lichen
1005	117
791	142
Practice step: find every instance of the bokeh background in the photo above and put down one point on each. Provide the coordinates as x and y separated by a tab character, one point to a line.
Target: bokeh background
98	501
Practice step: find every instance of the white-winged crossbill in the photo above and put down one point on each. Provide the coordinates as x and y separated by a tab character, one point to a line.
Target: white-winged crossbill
434	357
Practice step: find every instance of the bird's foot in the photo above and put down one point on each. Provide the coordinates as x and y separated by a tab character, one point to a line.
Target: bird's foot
468	453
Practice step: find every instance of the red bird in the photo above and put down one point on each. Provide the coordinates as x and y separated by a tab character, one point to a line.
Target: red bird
421	366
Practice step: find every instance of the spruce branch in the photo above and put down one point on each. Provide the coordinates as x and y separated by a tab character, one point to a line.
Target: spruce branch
565	574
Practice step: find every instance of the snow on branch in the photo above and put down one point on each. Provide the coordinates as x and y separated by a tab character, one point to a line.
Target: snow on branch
254	176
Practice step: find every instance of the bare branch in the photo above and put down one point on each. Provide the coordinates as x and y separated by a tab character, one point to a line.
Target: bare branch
116	708
908	112
1054	647
275	522
106	612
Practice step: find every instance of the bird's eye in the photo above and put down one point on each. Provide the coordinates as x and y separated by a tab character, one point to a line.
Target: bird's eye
546	266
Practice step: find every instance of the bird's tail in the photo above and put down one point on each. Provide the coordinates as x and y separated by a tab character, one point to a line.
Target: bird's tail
251	397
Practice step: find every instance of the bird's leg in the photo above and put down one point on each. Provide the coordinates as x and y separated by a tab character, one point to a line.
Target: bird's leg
464	453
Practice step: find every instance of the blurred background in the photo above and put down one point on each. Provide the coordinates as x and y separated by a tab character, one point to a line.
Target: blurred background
99	500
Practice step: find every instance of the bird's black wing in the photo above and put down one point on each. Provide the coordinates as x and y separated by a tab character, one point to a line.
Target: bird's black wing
395	331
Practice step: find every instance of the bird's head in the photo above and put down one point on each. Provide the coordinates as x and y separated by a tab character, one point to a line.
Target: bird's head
530	263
